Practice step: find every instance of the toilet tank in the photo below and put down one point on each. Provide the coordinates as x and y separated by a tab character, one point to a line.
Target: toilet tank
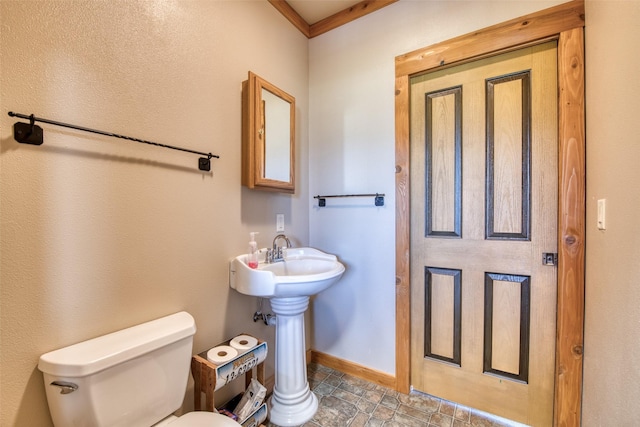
133	377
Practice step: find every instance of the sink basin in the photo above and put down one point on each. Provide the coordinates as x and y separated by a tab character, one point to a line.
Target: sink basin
303	272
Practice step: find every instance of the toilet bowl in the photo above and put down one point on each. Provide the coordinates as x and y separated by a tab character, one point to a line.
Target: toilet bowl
133	377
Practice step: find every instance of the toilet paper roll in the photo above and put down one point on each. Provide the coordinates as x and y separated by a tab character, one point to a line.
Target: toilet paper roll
221	354
243	342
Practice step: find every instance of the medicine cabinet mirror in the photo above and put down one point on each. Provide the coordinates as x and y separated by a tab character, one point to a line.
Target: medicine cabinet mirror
268	136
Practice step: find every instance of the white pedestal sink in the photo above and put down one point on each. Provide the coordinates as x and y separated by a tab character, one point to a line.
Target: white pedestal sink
289	284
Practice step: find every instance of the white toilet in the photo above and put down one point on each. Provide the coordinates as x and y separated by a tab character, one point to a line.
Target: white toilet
136	377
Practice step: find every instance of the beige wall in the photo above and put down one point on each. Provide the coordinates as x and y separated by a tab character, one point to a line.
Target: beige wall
612	324
99	234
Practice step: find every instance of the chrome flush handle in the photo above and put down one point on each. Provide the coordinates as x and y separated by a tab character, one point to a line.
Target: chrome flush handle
65	387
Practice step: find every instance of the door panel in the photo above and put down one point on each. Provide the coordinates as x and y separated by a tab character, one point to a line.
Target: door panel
483	210
508	156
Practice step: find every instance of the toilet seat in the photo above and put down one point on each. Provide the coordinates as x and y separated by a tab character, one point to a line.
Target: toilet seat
203	419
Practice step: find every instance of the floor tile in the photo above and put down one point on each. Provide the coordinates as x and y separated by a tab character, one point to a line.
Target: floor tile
348	401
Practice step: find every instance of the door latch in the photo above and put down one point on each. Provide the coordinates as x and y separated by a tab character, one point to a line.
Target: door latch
549	258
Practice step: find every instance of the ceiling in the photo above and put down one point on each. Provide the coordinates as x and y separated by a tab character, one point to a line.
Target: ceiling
315	17
313	11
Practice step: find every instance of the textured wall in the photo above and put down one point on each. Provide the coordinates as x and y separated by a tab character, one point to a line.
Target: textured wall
612	316
99	234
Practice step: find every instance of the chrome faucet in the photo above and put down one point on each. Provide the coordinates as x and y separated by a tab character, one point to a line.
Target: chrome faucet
275	253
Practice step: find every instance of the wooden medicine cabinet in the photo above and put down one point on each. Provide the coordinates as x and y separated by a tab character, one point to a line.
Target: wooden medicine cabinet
268	136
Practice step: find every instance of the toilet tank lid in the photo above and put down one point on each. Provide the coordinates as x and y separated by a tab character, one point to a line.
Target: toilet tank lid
97	354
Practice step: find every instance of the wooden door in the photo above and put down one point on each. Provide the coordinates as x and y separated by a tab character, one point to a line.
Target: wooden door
483	212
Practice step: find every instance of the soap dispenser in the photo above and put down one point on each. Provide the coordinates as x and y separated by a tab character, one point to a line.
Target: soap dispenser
252	256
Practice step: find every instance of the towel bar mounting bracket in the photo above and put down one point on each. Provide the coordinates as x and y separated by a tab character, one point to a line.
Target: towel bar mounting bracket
28	133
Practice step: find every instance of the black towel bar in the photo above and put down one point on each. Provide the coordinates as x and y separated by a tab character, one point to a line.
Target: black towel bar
379	198
30	133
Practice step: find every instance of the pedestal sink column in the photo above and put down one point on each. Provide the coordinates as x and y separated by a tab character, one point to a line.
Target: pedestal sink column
292	402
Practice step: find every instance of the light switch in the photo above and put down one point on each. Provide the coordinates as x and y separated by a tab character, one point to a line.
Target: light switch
602	205
279	222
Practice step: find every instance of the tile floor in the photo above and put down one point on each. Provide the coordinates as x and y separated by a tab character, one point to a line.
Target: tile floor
347	401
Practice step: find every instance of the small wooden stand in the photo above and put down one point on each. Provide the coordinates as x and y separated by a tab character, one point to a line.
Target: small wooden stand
204	377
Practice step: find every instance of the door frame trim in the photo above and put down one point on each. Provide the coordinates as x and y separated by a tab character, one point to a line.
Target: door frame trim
564	23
